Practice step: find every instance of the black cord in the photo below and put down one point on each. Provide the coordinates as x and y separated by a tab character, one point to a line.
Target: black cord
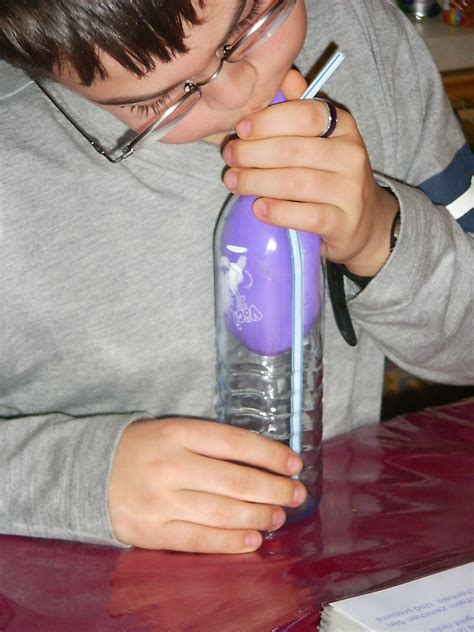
335	273
335	278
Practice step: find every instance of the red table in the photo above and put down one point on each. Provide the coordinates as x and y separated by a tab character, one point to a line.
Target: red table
398	503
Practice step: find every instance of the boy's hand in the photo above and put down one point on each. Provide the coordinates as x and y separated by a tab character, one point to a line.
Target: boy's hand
320	185
190	485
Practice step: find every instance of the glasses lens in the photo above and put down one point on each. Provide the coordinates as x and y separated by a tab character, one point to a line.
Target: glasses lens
261	31
167	121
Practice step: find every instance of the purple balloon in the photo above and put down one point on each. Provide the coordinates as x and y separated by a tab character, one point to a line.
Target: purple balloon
257	279
279	98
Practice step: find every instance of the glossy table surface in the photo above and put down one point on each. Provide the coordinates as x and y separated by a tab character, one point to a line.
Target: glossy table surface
398	503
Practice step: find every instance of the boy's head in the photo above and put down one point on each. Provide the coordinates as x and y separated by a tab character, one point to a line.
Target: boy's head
41	36
121	53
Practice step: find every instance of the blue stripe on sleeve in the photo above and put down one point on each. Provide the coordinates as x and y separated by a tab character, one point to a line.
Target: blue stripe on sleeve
447	186
467	221
450	184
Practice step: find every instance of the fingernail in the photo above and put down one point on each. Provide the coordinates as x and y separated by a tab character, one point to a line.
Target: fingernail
230	180
227	154
243	129
278	518
299	495
252	540
294	464
261	208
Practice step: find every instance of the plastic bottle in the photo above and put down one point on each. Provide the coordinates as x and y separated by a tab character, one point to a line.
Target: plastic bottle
269	293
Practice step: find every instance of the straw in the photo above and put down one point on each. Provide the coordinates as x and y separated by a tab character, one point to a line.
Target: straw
296	425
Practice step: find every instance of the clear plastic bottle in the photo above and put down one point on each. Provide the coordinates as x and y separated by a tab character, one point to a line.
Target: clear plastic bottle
269	294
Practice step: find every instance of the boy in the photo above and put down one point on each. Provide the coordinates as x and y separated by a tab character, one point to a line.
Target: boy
107	285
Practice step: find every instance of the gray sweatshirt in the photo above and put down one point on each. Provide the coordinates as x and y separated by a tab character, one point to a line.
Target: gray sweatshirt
106	273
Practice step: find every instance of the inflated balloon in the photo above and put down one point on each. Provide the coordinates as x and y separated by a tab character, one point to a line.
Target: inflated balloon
256	261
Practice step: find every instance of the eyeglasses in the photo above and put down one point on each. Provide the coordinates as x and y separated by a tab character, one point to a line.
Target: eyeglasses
254	36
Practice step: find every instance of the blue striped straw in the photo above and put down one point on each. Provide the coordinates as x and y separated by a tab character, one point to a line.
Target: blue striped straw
296	425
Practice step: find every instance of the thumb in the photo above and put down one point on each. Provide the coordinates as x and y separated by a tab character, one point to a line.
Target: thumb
293	85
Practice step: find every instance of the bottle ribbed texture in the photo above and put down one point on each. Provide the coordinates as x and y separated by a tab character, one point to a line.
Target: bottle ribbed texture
254	392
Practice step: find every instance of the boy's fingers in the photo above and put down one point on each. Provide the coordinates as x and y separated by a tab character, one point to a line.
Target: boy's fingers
294	183
293	85
228	443
324	220
211	510
294	118
286	151
241	483
193	538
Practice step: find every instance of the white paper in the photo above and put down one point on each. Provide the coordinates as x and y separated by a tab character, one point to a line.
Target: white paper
443	602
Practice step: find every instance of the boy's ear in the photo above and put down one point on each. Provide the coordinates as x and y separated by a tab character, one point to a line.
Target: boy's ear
293	85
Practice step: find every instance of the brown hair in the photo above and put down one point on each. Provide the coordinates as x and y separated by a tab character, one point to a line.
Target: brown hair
41	35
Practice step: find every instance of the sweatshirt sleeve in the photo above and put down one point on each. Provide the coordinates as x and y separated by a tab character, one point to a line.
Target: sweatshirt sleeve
54	476
419	308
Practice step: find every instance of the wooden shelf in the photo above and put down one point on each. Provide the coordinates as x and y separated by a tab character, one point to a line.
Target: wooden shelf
459	85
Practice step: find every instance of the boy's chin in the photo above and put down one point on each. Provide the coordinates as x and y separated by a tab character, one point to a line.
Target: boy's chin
182	139
217	139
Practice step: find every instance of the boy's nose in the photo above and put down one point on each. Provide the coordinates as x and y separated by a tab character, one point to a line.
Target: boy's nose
232	88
